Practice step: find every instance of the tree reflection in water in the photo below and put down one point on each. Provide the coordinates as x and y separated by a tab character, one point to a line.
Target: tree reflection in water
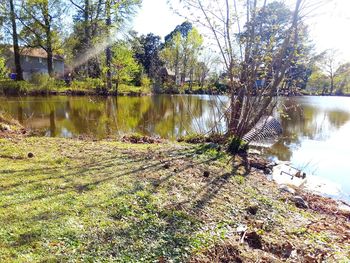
164	115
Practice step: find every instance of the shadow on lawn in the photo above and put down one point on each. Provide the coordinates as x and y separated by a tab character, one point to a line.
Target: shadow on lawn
140	227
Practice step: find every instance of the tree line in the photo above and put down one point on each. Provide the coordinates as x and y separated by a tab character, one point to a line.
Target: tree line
96	44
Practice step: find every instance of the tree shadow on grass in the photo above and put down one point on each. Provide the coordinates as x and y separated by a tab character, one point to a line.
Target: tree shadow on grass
140	227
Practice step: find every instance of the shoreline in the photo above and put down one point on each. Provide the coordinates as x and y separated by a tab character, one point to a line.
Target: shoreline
39	93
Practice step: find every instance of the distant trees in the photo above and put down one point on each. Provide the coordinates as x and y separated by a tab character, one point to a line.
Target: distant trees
329	76
87	29
328	64
124	63
96	26
342	79
147	50
181	52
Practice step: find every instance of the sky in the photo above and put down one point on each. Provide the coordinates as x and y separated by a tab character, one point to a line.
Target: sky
329	25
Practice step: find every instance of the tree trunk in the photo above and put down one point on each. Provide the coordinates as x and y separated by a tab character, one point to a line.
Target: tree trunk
49	51
19	72
48	33
116	86
89	67
108	49
50	61
332	85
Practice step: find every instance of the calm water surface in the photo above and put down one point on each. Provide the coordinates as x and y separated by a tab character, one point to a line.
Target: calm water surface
316	133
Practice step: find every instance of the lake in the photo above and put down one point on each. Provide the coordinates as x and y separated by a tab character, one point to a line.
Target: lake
315	129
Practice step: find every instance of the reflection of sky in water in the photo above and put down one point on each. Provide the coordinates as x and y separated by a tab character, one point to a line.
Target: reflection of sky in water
318	142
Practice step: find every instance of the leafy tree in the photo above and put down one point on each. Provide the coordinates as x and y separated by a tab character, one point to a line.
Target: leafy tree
327	61
183	29
19	72
172	54
123	62
41	20
182	50
96	24
88	26
273	21
342	79
192	45
147	53
318	81
116	11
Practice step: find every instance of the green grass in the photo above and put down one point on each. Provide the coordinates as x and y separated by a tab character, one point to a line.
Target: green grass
85	200
133	90
51	86
89	201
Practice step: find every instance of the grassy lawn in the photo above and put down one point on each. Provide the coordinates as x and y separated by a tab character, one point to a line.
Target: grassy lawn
103	201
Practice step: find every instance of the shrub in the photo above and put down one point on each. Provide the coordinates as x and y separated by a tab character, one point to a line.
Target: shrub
236	145
339	92
44	83
88	83
3	69
145	81
193	138
201	138
12	88
132	90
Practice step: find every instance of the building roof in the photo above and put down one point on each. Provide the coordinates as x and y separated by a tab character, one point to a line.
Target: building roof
36	52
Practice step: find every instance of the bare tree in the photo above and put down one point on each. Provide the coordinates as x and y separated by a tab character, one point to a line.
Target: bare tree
255	62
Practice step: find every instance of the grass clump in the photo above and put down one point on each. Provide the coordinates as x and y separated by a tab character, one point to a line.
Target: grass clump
12	88
236	145
202	138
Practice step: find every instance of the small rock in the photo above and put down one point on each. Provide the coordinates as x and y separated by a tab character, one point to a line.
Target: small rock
206	173
267	170
4	127
300	202
30	155
175	170
167	166
241	228
253	209
287	189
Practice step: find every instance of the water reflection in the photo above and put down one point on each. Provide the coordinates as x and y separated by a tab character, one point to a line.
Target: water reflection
165	116
315	137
